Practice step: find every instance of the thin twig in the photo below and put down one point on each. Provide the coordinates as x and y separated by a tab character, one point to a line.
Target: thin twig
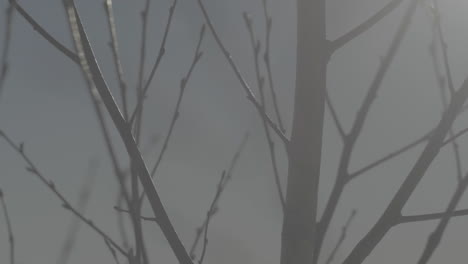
219	191
393	210
112	251
50	184
334	115
146	218
162	51
361	116
210	213
428	217
435	237
81	206
365	26
437	31
182	88
39	29
4	65
115	55
261	87
140	80
402	150
11	238
250	96
344	231
88	58
267	60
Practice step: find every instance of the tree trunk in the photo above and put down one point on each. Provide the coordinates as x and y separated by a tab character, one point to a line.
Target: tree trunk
305	147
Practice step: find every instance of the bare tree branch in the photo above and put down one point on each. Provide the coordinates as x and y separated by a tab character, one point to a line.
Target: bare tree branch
65	204
334	115
250	96
83	200
435	237
365	26
162	51
261	87
115	55
11	238
6	46
87	58
39	29
221	187
353	135
183	85
267	60
344	231
428	217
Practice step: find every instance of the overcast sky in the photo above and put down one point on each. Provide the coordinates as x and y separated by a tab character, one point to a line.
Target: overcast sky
46	105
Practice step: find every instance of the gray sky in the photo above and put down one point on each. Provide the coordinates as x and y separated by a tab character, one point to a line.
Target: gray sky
46	105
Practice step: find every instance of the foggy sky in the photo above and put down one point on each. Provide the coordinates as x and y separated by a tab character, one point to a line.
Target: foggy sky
45	104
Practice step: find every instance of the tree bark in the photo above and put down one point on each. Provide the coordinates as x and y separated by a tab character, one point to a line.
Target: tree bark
305	147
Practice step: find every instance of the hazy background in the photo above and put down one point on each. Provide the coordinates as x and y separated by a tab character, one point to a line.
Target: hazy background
45	104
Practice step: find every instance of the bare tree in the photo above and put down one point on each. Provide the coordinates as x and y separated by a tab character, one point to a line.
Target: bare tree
304	229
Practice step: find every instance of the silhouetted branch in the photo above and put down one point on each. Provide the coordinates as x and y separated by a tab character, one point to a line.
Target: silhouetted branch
83	200
261	87
437	31
222	184
344	231
250	96
6	46
434	238
112	251
389	156
183	85
65	204
211	212
365	26
162	51
11	238
427	217
353	135
115	55
393	210
334	115
39	29
87	58
146	218
267	60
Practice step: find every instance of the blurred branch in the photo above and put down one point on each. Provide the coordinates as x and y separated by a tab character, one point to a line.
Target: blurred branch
162	51
112	251
75	59
221	187
183	85
334	115
267	60
365	26
435	237
4	65
437	32
81	206
115	55
427	217
407	147
88	59
11	238
344	231
250	96
65	204
261	87
361	116
39	29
